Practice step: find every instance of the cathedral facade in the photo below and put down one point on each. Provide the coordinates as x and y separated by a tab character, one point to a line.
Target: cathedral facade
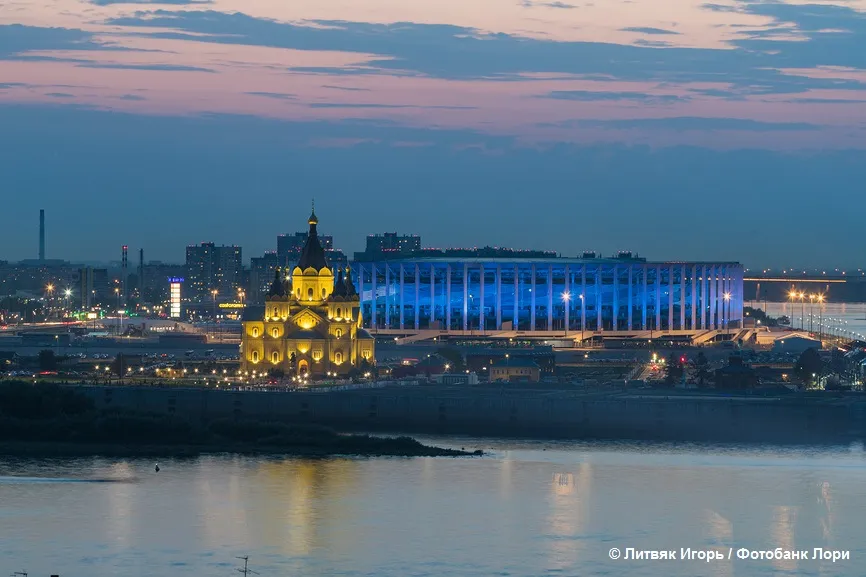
311	321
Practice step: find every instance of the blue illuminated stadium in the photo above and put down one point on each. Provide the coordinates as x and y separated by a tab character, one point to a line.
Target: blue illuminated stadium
546	295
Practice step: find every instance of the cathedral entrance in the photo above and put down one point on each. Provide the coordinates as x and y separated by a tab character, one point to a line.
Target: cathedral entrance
303	367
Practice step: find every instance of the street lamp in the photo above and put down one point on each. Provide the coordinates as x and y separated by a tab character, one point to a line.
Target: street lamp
214	293
67	293
727	297
802	311
566	297
49	288
793	296
117	294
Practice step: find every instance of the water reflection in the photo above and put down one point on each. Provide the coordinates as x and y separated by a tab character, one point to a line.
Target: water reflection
570	495
520	512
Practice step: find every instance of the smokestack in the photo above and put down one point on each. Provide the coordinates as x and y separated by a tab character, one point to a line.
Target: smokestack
42	234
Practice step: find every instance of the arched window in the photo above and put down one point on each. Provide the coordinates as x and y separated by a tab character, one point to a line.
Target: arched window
324	292
339	313
275	357
299	292
339	333
255	332
310	294
338	357
276	333
255	356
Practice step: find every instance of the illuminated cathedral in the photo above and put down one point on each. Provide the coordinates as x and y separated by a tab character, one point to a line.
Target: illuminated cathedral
311	322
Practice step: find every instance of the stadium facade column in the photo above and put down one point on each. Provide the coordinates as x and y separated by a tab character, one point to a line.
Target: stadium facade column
599	318
417	297
550	297
683	300
498	297
614	317
658	311
515	323
448	296
387	295
694	295
402	292
703	298
532	300
644	298
583	297
373	299
713	283
481	320
671	286
630	295
432	294
465	296
567	301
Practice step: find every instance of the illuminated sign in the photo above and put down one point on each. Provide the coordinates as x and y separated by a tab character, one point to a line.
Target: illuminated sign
174	298
92	316
175	279
231	305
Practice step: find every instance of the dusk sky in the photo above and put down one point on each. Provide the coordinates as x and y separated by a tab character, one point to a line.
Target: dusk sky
678	129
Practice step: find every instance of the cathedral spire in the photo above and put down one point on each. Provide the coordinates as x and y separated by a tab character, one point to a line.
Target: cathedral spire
313	255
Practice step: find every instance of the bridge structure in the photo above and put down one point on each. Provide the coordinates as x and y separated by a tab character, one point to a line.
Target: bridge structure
833	287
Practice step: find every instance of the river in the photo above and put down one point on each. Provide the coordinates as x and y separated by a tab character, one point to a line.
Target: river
526	509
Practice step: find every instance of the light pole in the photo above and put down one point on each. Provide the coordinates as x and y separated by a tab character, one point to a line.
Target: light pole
117	294
214	292
802	311
49	288
66	294
581	320
821	312
566	297
727	297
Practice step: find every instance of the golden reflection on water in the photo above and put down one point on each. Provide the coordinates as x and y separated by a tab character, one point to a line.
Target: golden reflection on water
569	500
782	530
120	499
720	535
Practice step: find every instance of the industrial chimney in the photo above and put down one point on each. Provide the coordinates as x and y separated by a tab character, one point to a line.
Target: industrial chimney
42	234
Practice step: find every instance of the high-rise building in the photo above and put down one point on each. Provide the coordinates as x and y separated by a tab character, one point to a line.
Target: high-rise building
389	244
289	247
211	267
261	274
154	288
85	287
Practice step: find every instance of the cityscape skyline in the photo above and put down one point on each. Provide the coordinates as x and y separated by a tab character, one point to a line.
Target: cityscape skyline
375	241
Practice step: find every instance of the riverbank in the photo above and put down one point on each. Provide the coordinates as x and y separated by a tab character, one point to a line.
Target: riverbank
688	416
46	419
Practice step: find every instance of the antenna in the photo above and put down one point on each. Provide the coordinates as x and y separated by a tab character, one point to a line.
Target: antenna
246	570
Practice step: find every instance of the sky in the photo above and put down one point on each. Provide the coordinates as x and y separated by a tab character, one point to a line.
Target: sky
676	129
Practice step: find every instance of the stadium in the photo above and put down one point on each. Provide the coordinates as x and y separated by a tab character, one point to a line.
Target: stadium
577	297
